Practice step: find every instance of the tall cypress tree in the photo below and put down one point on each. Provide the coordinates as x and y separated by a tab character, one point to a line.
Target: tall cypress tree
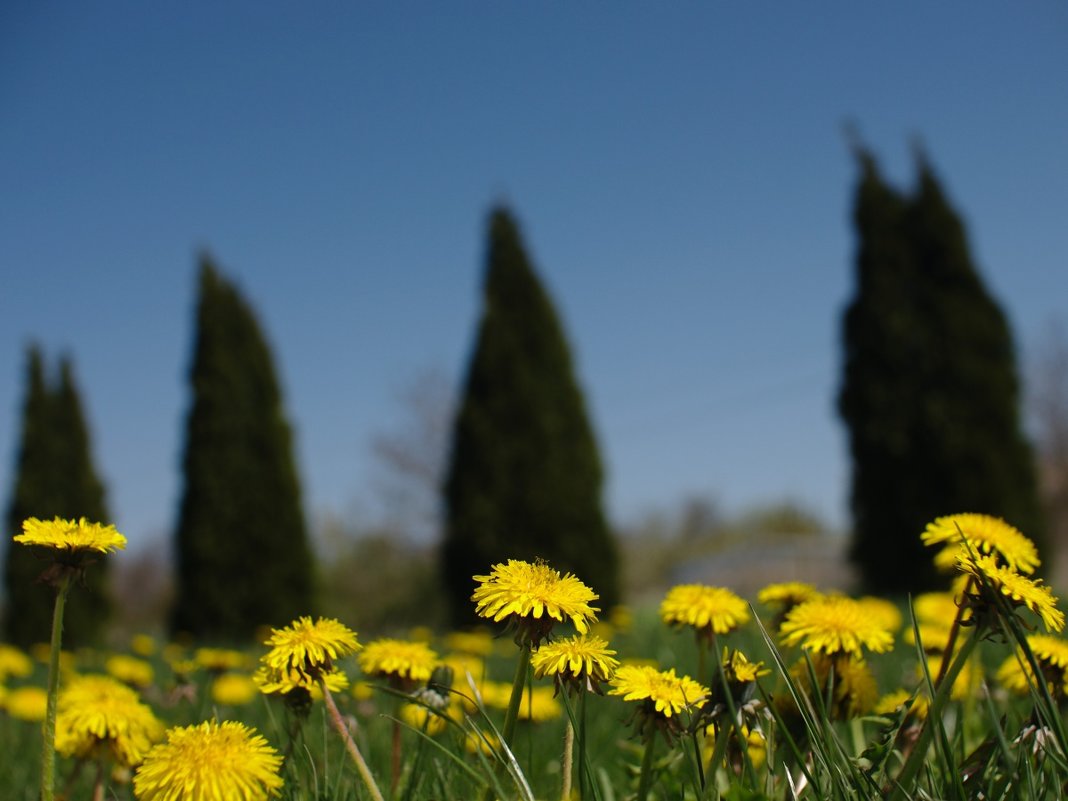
524	476
929	390
243	557
54	477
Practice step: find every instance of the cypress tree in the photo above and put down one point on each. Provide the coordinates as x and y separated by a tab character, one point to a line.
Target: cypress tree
929	391
242	552
524	475
54	477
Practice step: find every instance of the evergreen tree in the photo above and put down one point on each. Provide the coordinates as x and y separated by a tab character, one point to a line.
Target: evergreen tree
243	557
524	476
55	477
929	392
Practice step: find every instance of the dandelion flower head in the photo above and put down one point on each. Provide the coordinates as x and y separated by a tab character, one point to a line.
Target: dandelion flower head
582	660
1019	590
210	762
737	667
984	535
130	669
665	692
855	689
1051	654
14	662
27	703
885	612
707	609
787	594
71	535
403	660
835	624
220	659
282	682
309	648
98	712
234	689
532	595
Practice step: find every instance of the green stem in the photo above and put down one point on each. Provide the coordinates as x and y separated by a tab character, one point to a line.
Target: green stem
583	778
512	715
350	744
646	778
915	761
565	768
48	751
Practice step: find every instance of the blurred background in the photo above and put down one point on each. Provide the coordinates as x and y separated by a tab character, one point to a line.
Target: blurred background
684	184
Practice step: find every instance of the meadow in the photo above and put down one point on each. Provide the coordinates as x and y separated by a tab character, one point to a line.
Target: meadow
798	693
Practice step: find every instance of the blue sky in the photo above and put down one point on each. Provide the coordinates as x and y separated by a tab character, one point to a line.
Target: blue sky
678	169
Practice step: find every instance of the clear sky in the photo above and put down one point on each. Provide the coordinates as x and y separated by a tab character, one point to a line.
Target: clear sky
678	169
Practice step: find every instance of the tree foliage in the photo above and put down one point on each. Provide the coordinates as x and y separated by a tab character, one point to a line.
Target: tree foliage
930	393
243	558
54	477
524	476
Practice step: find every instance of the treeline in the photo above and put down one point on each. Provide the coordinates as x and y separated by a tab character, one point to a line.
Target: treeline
929	394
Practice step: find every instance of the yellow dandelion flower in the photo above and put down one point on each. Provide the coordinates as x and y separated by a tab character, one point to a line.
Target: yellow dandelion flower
1051	653
738	669
98	712
892	701
278	682
210	762
583	660
143	645
967	682
934	636
885	612
532	596
71	535
27	703
706	609
404	661
220	660
362	691
985	535
835	624
1019	590
419	717
309	648
935	607
475	643
463	665
14	662
480	742
787	594
234	689
539	705
663	691
130	669
855	691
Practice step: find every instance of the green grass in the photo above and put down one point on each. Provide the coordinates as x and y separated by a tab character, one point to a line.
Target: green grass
975	749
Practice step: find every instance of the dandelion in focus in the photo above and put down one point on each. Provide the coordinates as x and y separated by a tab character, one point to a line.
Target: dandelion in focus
210	762
72	546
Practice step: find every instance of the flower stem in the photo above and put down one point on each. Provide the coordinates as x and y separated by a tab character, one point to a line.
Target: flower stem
583	778
512	715
350	744
565	769
48	751
646	778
